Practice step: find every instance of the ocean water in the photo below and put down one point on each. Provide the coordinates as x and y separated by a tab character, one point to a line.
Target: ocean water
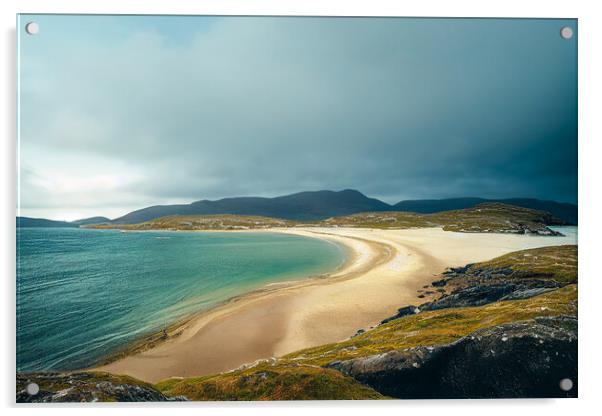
81	294
569	231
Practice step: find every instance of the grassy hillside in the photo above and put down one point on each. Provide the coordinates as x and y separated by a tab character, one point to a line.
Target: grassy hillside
488	217
267	382
482	218
557	263
565	211
439	327
203	222
301	375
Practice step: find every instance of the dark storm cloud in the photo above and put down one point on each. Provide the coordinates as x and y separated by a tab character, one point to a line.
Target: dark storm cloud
397	108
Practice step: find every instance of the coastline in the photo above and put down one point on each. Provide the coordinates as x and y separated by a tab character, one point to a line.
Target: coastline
175	329
384	271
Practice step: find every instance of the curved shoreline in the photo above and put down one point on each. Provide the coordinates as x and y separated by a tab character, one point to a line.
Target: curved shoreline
135	359
152	339
385	271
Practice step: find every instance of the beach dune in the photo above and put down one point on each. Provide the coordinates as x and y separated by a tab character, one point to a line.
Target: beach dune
384	271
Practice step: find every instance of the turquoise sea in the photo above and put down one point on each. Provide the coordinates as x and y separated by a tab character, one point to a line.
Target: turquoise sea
81	294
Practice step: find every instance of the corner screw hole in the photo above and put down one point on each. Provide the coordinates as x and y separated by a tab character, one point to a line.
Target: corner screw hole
32	389
32	28
566	384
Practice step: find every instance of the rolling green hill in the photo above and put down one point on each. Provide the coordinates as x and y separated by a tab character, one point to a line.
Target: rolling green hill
490	217
484	218
563	210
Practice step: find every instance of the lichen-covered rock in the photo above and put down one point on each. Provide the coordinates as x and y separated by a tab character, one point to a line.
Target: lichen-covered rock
521	359
87	387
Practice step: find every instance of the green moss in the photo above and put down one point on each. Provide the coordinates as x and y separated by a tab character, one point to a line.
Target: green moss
271	383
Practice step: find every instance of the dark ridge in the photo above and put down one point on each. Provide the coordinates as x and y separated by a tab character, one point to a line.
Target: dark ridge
302	206
91	220
26	222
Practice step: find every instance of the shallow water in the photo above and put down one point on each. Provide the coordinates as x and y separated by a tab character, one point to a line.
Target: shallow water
569	231
83	293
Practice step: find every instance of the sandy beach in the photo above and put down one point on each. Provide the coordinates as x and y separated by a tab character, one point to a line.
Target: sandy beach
384	271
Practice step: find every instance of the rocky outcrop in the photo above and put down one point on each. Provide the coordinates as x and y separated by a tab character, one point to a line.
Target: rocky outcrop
482	295
406	310
86	387
535	229
478	284
521	359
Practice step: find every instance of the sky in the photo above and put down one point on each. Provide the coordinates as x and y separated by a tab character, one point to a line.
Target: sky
121	112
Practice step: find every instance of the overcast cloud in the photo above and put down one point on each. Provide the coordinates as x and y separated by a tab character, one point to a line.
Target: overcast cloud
118	113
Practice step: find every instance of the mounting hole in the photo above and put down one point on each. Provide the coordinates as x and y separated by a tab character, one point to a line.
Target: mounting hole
32	28
566	384
32	389
566	32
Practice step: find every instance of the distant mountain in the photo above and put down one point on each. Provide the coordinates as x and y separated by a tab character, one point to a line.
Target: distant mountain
303	206
319	205
309	206
91	220
41	222
564	211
